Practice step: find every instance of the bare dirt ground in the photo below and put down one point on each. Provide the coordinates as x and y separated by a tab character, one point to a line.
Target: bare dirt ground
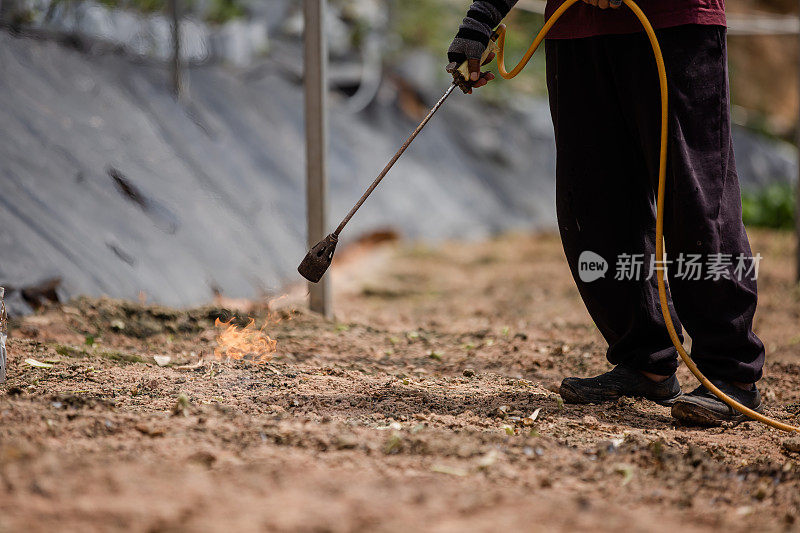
408	412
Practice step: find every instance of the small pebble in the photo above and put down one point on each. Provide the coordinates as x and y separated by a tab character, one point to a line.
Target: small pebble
792	444
590	421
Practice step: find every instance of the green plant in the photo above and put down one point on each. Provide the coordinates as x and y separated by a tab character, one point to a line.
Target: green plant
770	207
221	11
216	11
146	6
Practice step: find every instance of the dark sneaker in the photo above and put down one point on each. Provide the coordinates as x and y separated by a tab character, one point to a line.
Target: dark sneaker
622	381
703	408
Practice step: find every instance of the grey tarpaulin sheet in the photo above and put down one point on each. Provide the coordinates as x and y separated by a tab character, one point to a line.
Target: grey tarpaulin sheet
109	184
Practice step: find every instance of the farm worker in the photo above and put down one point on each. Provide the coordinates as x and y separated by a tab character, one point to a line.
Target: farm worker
605	105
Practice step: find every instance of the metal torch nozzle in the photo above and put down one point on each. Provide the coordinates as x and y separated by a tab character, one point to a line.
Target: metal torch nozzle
318	259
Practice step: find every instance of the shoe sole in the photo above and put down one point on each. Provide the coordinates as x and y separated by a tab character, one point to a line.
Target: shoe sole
669	402
571	396
698	415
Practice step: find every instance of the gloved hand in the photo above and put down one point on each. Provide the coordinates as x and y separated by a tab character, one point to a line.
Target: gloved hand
473	37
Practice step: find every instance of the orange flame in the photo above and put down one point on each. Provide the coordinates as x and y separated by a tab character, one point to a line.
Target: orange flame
244	343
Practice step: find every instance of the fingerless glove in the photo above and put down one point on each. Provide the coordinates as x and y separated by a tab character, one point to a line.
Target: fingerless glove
476	29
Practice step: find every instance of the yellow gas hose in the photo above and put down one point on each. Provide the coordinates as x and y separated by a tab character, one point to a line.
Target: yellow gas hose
662	180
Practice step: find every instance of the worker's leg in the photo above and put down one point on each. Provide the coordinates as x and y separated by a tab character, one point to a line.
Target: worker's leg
604	204
703	205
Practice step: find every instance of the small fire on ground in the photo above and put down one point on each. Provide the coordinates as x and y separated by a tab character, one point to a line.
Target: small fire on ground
247	343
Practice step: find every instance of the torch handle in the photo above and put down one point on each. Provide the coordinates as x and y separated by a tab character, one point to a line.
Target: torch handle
394	159
461	80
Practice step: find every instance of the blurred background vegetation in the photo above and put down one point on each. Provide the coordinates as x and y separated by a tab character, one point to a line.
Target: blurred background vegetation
21	12
770	207
212	11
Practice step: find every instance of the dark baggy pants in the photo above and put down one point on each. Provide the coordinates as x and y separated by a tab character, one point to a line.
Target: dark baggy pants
605	103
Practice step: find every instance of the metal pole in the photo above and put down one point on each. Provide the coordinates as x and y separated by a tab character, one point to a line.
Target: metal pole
7	8
316	88
797	194
175	63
